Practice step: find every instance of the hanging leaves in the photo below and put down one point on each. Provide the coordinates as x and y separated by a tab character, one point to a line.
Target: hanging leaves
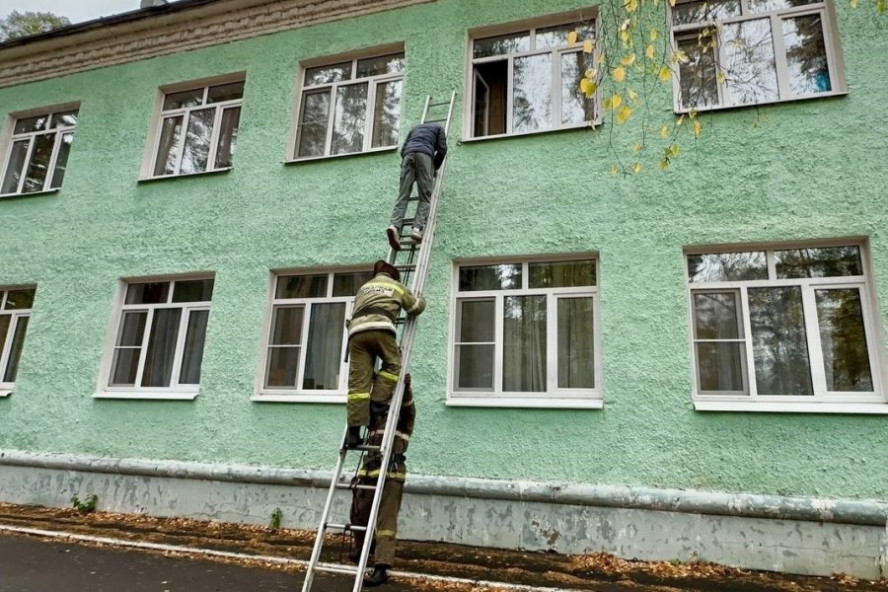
572	37
588	87
664	132
655	33
636	168
588	46
650	51
619	74
624	114
665	73
628	60
698	128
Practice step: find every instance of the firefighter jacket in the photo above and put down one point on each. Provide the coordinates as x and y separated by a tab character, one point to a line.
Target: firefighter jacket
378	303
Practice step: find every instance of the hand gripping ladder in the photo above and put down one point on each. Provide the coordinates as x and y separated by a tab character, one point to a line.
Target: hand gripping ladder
412	261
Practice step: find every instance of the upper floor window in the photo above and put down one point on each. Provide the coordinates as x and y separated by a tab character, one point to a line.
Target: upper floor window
350	106
305	348
526	78
525	332
749	52
38	152
15	312
197	129
159	343
784	324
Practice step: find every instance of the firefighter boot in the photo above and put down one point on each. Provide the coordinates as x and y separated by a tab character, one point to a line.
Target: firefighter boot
353	439
379	577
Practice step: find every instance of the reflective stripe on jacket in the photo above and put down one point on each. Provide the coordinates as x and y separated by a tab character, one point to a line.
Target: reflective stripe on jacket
382	294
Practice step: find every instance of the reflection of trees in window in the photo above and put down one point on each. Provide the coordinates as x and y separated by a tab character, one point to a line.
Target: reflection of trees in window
726	51
210	116
843	338
779	340
38	157
366	106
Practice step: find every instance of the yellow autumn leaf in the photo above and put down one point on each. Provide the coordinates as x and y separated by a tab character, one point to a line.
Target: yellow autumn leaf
650	52
698	127
638	147
655	33
619	74
616	101
664	132
633	96
672	151
854	3
679	56
591	74
588	87
624	114
631	5
624	36
615	170
636	168
628	60
692	113
664	164
572	37
680	121
720	77
665	73
588	46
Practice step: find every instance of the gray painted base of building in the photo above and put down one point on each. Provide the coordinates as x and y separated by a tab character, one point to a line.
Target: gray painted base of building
795	535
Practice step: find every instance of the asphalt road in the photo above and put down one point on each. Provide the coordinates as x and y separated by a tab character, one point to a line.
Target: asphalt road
35	565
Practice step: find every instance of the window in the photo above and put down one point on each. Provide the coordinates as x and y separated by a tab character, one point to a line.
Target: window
527	79
306	344
350	106
525	330
15	311
159	342
784	324
749	52
197	129
38	152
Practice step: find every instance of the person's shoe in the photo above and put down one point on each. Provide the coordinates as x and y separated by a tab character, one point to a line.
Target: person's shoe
353	439
416	235
394	236
378	578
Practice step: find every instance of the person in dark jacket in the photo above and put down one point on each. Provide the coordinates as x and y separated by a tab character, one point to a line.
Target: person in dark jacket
421	157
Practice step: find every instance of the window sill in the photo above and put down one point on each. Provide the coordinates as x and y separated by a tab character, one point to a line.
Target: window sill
523	403
146	396
583	126
4	394
336	156
188	176
296	398
793	407
716	108
32	194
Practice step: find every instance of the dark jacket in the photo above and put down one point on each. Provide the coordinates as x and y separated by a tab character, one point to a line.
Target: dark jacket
427	138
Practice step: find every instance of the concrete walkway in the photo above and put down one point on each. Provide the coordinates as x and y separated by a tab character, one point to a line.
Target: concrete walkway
34	565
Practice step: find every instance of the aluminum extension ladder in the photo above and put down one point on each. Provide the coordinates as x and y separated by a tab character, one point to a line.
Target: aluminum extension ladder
413	265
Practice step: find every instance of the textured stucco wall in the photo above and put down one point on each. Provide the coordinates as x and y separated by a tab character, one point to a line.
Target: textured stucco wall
816	169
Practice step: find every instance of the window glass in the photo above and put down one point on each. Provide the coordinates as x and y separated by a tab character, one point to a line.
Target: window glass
325	337
562	274
19	299
302	286
180	100
347	284
225	92
685	13
532	93
390	64
148	293
162	337
728	267
576	343
843	338
490	277
549	37
193	290
524	344
349	113
818	262
328	74
503	44
806	55
476	345
779	338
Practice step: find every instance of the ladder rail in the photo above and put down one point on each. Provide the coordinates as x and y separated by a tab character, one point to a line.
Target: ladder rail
408	333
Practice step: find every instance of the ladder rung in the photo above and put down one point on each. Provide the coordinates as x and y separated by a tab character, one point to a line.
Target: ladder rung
435	120
439	104
346	485
405	266
339	569
364	448
335	526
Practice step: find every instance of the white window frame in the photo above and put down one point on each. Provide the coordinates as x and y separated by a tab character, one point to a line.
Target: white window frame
832	44
156	124
822	401
15	315
174	392
9	137
554	397
576	16
372	83
297	394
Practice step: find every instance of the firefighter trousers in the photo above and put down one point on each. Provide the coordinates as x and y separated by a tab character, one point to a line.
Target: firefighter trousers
389	506
363	350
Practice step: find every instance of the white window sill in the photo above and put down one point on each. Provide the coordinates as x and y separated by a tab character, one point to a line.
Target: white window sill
823	95
524	402
147	396
4	394
31	194
332	156
580	126
793	407
186	176
296	398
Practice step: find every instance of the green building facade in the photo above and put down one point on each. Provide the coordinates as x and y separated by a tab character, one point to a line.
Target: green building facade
655	364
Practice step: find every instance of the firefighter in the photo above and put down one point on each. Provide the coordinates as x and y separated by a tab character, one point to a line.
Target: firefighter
372	335
362	499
